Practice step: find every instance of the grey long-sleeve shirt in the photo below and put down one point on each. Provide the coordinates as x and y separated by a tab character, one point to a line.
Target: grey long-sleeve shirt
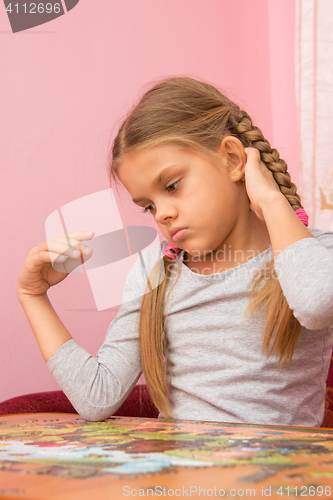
218	369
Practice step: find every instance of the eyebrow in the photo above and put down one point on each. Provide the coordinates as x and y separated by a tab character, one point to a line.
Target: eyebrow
160	178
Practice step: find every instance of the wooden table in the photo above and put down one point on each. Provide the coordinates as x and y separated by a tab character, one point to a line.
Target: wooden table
62	457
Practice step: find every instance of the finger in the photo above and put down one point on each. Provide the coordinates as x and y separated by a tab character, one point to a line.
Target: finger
252	153
70	264
58	262
73	238
62	248
39	259
75	250
80	235
45	256
70	248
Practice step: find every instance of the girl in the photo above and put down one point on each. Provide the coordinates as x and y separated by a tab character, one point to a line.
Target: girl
235	320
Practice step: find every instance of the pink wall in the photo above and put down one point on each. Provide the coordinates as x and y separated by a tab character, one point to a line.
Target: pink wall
65	86
281	18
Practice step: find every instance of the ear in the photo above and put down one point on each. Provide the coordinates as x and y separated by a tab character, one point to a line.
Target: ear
235	157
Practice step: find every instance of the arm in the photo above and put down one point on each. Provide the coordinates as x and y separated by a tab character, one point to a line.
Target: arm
49	331
46	265
304	264
97	386
305	272
284	227
270	205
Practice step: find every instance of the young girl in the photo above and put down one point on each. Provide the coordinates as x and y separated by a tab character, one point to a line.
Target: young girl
234	323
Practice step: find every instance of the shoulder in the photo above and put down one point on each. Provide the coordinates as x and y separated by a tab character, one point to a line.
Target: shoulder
146	260
323	236
321	247
153	253
145	270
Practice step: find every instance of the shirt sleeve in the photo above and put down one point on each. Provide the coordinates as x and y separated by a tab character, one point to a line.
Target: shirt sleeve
305	272
97	387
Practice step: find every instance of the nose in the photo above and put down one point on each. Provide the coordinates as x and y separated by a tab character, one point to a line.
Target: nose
164	212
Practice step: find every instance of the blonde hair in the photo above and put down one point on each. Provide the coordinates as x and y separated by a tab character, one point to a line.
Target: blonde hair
195	115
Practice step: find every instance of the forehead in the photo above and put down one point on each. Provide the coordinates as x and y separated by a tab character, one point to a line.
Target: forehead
159	157
143	172
154	157
150	163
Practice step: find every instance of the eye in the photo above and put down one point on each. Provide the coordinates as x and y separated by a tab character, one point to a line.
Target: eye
172	186
148	209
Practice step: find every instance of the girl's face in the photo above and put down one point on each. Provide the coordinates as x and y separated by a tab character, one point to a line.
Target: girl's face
186	190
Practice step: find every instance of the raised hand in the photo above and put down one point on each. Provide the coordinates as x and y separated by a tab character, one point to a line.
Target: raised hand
50	262
259	181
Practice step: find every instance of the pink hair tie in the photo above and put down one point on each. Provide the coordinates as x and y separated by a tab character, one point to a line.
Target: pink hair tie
302	215
171	251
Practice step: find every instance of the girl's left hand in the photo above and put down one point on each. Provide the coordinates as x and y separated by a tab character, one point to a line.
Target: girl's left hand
259	182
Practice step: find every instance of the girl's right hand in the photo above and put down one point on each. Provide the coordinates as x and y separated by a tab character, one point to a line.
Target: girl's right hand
50	262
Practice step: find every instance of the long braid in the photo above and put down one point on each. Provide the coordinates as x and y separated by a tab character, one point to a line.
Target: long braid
282	329
253	136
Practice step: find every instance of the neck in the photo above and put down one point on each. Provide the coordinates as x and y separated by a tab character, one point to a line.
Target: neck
249	238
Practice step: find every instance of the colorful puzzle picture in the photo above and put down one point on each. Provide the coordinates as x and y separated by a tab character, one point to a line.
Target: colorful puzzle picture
123	450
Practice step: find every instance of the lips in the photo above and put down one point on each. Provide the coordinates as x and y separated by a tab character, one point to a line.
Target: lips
178	234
